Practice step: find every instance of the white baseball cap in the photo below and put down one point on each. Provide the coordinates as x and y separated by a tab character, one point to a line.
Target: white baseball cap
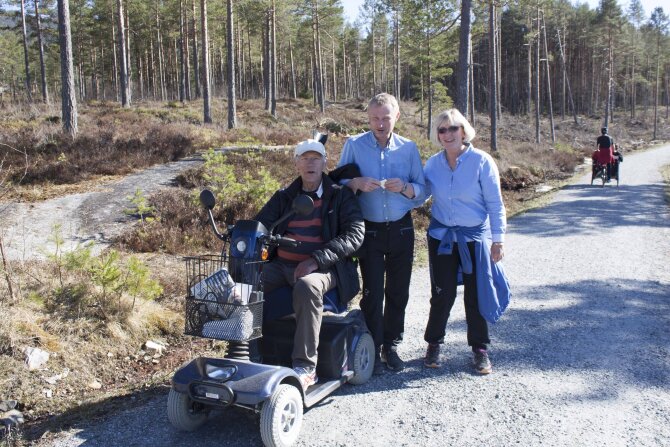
310	145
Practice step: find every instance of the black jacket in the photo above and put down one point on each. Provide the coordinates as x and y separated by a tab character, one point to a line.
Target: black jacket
342	228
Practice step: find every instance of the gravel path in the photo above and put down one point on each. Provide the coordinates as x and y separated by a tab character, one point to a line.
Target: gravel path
580	357
92	216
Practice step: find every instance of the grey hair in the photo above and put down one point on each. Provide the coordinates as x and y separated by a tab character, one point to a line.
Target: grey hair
383	99
452	117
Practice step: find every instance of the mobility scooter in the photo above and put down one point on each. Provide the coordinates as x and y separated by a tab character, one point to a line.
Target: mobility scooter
225	301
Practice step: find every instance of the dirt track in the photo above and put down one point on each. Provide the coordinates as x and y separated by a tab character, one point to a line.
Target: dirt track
580	357
92	216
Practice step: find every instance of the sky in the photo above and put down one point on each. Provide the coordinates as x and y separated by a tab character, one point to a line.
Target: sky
351	6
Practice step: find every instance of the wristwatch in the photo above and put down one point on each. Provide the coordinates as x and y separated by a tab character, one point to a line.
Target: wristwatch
404	188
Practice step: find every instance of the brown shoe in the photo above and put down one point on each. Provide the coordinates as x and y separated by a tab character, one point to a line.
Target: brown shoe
482	362
432	359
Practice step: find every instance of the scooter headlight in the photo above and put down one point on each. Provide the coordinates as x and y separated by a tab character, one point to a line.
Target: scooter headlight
221	373
241	246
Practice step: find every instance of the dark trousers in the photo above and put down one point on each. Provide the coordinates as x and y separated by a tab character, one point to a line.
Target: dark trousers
443	283
388	250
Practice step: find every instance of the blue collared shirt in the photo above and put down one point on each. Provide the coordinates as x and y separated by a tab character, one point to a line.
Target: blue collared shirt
467	195
400	159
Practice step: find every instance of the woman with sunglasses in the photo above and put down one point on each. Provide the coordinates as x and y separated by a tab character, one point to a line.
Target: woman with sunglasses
467	210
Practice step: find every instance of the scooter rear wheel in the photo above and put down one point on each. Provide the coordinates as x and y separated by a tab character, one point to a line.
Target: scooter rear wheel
281	417
183	413
364	360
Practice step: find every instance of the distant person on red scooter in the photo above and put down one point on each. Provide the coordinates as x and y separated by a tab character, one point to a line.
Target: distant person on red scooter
604	154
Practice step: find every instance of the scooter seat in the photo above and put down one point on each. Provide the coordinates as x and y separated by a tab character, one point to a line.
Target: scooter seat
279	303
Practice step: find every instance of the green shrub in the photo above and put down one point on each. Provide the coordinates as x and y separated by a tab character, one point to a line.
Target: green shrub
231	187
103	286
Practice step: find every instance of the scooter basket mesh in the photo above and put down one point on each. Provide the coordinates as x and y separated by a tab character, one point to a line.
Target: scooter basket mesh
233	322
217	307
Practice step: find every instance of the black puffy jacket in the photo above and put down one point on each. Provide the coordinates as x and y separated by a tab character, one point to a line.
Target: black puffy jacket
343	230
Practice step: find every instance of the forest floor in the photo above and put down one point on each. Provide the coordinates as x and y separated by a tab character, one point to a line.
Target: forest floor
102	364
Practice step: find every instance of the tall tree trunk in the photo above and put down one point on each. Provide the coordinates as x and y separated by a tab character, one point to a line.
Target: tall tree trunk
546	61
529	85
187	59
493	82
123	68
43	71
334	72
273	61
537	79
372	51
462	68
358	68
25	51
610	74
317	57
294	92
196	59
161	58
68	98
429	118
632	88
129	65
567	79
115	64
230	49
658	73
267	35
182	64
471	95
207	104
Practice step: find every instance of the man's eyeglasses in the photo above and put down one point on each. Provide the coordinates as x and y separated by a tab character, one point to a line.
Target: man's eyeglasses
452	129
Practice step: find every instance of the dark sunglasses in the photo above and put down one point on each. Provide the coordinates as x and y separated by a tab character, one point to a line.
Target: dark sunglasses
452	129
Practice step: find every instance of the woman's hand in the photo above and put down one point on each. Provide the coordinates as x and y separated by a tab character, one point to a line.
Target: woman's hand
497	252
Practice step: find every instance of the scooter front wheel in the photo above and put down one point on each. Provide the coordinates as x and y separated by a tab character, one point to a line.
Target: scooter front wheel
183	413
281	417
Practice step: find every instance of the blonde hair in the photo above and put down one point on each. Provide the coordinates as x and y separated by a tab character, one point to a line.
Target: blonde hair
451	117
383	99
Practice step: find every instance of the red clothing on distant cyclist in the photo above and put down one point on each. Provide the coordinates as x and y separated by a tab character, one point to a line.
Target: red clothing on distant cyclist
603	155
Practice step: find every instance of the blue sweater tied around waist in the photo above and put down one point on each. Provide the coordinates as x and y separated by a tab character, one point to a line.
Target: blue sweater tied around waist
493	292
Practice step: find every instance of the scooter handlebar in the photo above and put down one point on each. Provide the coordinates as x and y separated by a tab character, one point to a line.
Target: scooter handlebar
281	241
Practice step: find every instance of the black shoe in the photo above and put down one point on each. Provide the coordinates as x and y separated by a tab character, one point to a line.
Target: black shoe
393	362
482	362
379	366
432	359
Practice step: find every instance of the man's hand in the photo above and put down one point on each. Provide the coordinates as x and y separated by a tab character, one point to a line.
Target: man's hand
394	184
365	184
305	268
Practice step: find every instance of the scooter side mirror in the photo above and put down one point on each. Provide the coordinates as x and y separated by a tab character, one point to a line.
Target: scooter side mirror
207	199
303	205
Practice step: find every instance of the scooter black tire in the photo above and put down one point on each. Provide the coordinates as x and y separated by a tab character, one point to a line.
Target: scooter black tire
183	413
281	417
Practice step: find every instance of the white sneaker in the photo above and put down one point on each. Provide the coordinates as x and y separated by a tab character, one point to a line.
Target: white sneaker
307	376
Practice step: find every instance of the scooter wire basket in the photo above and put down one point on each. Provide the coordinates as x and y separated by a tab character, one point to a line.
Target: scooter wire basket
224	298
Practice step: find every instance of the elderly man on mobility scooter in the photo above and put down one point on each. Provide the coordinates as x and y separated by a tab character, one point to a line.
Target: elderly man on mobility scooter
310	270
327	238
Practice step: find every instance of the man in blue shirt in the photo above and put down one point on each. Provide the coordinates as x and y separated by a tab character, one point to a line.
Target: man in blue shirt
391	184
